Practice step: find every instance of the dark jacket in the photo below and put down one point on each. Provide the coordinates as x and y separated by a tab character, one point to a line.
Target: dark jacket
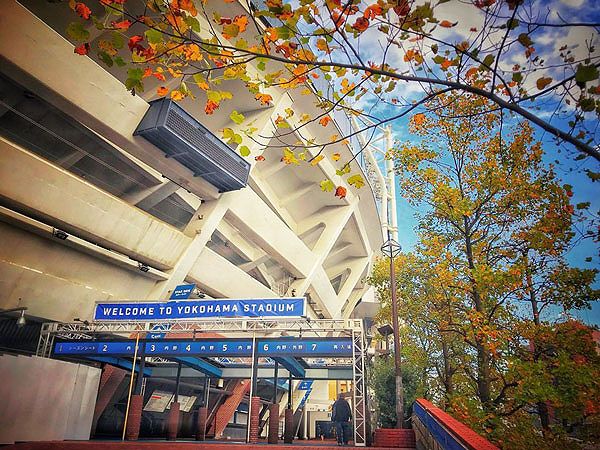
341	411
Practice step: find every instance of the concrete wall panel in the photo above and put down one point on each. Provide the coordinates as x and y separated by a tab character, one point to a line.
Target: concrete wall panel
57	282
39	395
48	191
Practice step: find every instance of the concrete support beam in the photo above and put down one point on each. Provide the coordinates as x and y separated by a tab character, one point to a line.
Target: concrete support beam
150	197
206	220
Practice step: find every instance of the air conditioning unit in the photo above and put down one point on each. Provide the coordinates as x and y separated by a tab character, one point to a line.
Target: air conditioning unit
183	138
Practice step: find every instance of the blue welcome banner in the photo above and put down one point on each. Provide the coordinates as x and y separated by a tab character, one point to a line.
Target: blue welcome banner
201	309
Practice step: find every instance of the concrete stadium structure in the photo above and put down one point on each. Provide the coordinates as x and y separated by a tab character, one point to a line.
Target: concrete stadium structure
70	161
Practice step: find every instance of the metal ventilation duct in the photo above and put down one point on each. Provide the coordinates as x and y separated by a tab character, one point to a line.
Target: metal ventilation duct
184	139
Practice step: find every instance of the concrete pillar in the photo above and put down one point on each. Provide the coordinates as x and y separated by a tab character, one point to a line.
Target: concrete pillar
288	436
274	423
254	420
173	422
134	420
201	424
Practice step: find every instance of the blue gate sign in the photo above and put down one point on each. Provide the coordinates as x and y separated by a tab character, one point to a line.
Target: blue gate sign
95	348
305	385
211	347
205	347
200	309
304	347
182	292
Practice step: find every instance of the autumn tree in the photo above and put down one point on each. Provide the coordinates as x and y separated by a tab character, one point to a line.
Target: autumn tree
358	57
425	308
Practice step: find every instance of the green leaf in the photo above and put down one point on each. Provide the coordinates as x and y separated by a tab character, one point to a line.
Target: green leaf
154	36
583	205
134	79
327	185
119	61
215	96
512	24
587	104
77	32
439	59
106	59
489	60
117	40
193	23
586	73
517	77
525	40
356	180
244	151
236	117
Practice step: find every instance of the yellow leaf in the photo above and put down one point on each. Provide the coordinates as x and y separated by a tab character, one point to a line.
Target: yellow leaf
289	157
322	45
336	156
316	160
177	95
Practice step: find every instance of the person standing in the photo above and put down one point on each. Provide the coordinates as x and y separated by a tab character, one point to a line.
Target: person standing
340	416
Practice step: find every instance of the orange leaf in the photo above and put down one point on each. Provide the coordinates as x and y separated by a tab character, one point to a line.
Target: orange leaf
241	21
447	24
373	11
472	72
542	82
259	158
419	119
210	107
325	120
162	91
446	64
340	192
264	99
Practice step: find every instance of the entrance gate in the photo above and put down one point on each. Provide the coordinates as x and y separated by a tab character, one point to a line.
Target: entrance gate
307	349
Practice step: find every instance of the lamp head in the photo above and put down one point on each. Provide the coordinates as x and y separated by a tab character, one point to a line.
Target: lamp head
21	320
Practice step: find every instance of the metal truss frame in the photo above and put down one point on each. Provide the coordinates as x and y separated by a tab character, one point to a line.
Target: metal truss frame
359	391
257	327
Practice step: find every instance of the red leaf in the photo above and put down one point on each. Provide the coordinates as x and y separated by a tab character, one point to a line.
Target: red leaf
340	192
83	11
134	41
83	49
259	158
361	24
122	25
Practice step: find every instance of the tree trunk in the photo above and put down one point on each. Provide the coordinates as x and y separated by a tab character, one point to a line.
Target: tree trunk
542	407
483	357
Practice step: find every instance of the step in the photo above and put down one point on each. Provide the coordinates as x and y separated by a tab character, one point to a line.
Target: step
394	438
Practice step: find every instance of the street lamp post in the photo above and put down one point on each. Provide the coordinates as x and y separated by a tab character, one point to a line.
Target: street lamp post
391	248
